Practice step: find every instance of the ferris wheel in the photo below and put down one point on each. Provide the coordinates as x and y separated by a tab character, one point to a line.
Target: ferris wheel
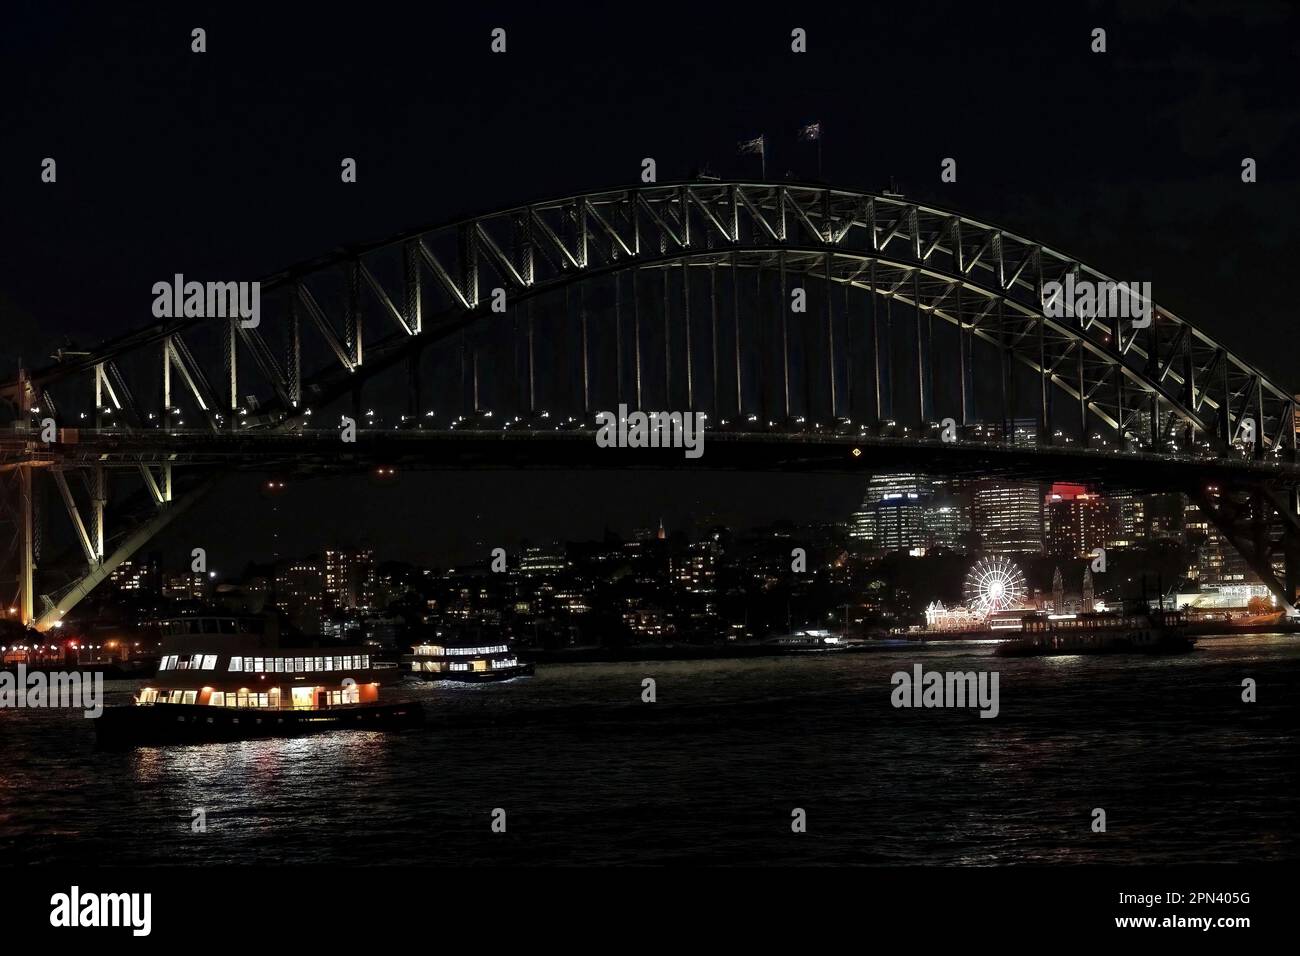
994	584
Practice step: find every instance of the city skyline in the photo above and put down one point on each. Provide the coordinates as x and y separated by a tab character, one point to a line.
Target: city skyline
1073	526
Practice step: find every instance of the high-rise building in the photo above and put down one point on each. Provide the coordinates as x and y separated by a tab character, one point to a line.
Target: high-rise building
350	578
1215	562
1078	522
900	522
1131	522
862	525
891	514
1008	516
300	592
909	511
947	521
880	486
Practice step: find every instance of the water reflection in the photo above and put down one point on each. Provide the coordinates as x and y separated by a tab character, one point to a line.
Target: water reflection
261	767
709	772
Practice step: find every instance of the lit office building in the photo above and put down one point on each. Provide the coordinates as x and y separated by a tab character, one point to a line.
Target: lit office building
542	562
1131	521
862	525
873	529
900	522
881	486
1008	516
1215	561
909	512
947	522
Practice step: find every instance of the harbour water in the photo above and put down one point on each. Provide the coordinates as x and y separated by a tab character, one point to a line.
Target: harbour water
711	771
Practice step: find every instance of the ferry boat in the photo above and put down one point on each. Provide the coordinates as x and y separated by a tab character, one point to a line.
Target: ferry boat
231	677
1142	632
471	660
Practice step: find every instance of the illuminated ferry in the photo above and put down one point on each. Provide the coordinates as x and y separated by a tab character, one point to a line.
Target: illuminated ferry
228	677
1143	632
471	660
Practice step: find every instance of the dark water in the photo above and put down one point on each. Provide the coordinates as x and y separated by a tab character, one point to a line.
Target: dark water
587	773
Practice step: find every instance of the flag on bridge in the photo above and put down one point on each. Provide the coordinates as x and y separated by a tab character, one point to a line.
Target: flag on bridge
812	133
756	145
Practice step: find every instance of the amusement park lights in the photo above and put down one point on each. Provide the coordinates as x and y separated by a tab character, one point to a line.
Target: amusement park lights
994	584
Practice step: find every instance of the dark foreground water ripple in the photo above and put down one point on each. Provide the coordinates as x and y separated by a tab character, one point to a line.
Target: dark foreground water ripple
587	773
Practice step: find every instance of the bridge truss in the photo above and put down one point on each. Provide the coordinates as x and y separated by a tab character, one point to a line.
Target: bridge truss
526	322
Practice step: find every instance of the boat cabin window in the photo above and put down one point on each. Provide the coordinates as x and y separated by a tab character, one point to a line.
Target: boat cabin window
291	665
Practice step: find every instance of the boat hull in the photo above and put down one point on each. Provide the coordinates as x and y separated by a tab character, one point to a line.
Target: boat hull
132	726
477	677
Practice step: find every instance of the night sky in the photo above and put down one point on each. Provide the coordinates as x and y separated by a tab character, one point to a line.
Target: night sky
227	164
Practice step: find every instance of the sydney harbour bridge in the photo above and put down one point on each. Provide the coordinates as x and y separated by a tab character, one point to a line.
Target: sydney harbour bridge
925	341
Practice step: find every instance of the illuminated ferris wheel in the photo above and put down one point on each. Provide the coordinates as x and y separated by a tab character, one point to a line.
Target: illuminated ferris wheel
994	584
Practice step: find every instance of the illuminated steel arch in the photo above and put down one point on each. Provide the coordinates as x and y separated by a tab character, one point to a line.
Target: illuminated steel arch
715	255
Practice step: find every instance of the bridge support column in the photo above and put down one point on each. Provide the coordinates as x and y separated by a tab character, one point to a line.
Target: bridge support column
784	306
924	368
1292	545
830	335
26	545
99	501
232	371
